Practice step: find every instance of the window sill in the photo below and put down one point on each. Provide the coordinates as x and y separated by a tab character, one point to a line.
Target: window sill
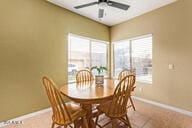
144	82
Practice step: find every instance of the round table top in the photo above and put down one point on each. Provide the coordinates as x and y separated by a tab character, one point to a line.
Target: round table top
89	91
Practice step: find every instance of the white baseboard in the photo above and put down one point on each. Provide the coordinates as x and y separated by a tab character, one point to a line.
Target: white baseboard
189	113
21	118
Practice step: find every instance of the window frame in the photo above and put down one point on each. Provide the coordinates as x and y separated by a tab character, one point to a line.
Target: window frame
90	49
130	40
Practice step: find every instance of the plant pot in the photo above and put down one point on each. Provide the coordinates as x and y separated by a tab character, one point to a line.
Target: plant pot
99	80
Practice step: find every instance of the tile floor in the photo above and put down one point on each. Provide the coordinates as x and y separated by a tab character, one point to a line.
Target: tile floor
145	116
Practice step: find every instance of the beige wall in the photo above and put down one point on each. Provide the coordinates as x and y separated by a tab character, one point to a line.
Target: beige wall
33	43
171	27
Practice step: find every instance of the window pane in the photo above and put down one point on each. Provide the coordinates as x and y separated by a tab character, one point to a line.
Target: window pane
99	55
84	53
142	58
79	56
121	56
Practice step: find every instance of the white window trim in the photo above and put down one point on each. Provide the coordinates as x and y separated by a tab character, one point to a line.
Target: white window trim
131	39
88	38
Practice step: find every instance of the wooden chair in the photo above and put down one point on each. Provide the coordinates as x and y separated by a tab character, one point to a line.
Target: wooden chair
116	108
84	75
124	73
64	114
84	78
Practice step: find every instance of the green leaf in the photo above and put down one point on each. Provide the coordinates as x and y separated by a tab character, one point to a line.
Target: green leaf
99	69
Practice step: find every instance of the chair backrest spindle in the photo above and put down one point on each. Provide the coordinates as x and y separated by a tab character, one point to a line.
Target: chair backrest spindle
126	72
84	75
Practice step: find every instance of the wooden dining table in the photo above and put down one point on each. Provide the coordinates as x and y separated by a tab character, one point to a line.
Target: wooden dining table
88	93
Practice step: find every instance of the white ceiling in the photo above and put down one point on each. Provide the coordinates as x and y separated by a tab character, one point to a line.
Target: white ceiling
113	15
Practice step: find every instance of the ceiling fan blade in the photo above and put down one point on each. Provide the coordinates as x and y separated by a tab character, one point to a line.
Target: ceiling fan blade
86	5
101	13
118	5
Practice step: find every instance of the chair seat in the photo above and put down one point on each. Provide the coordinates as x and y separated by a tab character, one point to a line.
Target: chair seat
73	108
75	111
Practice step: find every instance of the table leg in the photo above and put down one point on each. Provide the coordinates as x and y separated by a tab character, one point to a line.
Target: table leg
88	109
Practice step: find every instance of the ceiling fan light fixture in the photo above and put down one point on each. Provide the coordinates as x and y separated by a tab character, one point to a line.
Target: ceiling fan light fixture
102	5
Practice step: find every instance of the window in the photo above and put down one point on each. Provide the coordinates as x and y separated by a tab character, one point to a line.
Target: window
134	54
84	53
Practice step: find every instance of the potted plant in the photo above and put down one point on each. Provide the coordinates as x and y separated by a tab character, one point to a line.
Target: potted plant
99	78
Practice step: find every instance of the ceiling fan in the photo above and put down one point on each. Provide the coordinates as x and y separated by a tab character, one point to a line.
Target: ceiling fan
102	4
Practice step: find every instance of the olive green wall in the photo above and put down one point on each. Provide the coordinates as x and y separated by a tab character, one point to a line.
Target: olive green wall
33	43
171	27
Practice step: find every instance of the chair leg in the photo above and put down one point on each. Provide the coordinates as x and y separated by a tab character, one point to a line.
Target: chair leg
97	117
85	124
53	124
77	124
129	124
132	103
113	123
70	126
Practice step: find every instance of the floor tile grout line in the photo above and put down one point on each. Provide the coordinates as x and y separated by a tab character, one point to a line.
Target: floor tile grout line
146	122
